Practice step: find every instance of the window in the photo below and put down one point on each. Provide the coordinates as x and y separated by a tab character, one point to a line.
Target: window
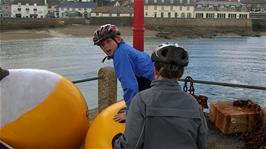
199	15
210	15
171	1
171	7
146	13
183	15
19	9
146	7
187	8
162	7
18	15
176	15
221	7
210	7
188	15
220	15
155	15
169	14
35	9
27	9
243	16
232	16
180	8
162	15
233	7
155	7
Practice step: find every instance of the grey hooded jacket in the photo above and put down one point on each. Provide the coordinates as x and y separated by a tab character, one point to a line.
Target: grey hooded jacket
164	117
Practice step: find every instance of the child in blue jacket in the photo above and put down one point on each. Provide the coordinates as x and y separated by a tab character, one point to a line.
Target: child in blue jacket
133	68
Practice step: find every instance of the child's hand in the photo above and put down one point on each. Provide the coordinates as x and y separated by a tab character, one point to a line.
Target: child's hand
120	117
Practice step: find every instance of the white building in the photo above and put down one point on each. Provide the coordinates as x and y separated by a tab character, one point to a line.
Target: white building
5	8
169	8
29	9
112	11
221	10
74	9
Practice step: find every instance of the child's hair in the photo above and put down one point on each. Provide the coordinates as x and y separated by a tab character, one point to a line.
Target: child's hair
169	71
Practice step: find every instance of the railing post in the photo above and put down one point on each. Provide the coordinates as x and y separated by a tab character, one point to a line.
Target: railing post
107	88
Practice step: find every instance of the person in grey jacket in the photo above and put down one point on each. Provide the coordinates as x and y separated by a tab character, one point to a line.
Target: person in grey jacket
164	116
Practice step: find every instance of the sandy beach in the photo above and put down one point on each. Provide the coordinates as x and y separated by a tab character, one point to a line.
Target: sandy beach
71	30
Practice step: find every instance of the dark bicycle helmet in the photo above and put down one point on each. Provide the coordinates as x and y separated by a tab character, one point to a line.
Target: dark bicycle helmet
168	53
104	32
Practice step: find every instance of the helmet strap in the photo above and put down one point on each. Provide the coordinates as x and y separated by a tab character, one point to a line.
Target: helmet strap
115	41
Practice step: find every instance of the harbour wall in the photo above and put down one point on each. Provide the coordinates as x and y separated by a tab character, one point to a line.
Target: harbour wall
151	23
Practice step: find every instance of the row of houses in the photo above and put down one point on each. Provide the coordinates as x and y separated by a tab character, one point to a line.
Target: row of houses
232	9
181	9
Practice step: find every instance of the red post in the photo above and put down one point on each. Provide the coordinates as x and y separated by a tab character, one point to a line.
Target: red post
138	26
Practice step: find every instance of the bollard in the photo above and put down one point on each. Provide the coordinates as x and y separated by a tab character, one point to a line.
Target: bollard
107	88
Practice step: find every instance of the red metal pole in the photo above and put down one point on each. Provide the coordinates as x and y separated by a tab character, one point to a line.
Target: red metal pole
138	26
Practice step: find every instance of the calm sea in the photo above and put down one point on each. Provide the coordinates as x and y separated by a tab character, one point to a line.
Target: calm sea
240	60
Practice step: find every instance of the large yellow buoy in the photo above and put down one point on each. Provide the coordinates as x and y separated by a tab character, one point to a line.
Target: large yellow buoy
104	128
41	109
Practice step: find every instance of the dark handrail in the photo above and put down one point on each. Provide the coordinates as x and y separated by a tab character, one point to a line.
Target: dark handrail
228	84
85	80
194	81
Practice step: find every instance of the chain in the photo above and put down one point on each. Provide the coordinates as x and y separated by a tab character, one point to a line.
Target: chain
191	89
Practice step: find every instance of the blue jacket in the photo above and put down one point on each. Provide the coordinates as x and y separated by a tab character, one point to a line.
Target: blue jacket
130	63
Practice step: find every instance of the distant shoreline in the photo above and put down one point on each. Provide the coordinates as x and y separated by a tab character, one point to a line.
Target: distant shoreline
75	30
78	30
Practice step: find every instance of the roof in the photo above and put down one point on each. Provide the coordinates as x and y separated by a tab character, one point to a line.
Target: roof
215	3
112	9
253	2
76	5
170	2
30	2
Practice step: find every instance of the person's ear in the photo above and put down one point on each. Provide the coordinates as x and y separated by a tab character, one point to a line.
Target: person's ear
156	73
118	39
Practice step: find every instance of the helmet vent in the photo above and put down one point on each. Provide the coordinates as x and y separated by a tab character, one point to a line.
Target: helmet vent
164	52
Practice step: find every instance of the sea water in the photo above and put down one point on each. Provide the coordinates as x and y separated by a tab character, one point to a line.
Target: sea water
239	60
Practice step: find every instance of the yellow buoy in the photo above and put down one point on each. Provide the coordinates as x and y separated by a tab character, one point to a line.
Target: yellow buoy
104	128
41	109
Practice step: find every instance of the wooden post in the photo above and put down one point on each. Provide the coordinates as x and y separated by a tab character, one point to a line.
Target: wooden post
107	88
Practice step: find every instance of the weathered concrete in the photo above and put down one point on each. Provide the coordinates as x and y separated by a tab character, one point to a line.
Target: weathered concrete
107	88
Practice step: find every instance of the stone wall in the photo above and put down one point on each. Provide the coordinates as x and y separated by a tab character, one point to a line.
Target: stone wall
259	25
151	23
124	21
198	22
30	23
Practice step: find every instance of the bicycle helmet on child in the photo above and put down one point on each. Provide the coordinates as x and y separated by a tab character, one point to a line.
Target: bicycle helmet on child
104	32
168	53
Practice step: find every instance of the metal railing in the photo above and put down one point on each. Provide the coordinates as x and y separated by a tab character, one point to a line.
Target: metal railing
86	80
194	81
